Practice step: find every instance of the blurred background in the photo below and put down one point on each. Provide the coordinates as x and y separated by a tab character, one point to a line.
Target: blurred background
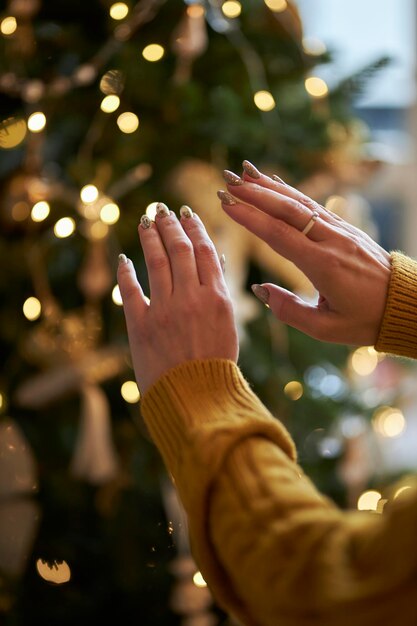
105	109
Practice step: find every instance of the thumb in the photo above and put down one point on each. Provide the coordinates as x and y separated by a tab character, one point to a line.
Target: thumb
291	309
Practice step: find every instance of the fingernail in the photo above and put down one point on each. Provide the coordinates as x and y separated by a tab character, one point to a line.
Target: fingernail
278	179
185	211
251	169
223	263
261	292
145	222
232	178
162	210
123	259
225	197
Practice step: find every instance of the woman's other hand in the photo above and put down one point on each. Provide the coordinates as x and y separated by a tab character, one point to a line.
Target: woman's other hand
349	270
190	314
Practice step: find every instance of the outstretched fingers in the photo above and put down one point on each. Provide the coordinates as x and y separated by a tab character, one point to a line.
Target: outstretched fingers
135	304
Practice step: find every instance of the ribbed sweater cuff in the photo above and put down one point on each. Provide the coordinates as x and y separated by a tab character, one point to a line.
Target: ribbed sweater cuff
398	332
203	408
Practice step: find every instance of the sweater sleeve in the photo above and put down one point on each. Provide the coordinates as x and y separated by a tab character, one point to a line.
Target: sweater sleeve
272	549
398	332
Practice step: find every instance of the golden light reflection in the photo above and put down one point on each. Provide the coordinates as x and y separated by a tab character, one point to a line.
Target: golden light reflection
389	421
57	572
364	360
110	213
12	132
401	491
231	8
116	296
316	87
198	580
40	211
32	308
8	25
264	100
368	501
118	10
64	227
110	103
294	390
153	52
89	194
130	392
128	122
276	5
20	211
37	122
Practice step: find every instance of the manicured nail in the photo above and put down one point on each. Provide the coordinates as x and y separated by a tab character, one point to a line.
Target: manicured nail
251	169
185	211
225	197
231	178
223	263
278	179
162	210
145	222
123	259
261	292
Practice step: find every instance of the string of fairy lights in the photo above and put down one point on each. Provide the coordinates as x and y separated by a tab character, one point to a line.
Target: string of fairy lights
101	211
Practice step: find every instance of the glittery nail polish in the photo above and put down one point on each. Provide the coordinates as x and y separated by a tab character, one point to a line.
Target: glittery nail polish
162	210
231	178
261	292
251	169
185	211
123	259
145	222
225	197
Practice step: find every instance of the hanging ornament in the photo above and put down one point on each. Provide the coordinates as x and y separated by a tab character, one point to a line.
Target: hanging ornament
19	513
189	41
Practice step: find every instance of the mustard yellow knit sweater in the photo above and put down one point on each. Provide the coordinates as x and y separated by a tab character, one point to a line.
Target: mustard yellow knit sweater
273	550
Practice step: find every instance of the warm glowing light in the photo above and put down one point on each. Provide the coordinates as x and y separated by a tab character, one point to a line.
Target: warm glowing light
64	227
116	296
401	490
195	10
57	572
110	213
8	25
118	10
110	103
12	132
316	87
2	401
276	5
264	100
37	122
40	211
364	360
20	211
198	580
389	421
153	52
231	8
151	210
89	194
336	204
128	122
32	308
130	392
294	390
368	501
313	46
98	230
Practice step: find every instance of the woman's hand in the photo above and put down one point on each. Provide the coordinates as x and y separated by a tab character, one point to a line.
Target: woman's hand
349	270
190	313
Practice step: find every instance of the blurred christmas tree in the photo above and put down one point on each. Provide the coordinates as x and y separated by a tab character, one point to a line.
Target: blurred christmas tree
107	108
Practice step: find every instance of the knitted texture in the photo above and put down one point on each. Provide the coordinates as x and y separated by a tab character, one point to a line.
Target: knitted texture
398	332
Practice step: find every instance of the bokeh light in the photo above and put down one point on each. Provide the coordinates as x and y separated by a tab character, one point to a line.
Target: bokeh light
264	100
314	46
153	52
37	122
40	211
231	8
64	227
118	10
368	501
12	132
8	25
195	11
116	296
128	122
316	87
364	360
198	580
389	421
89	194
130	392
56	572
294	390
110	213
276	5
32	308
110	103
151	210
